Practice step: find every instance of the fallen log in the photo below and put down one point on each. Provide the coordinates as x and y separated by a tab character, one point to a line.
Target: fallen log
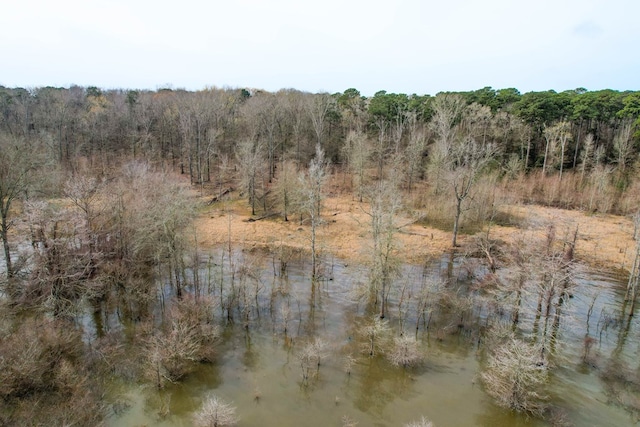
219	196
262	217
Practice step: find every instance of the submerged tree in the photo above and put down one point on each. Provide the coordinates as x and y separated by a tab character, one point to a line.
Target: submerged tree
376	335
17	163
215	412
423	422
405	351
385	204
515	376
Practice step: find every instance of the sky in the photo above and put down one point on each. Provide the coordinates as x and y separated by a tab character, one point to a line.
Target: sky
403	46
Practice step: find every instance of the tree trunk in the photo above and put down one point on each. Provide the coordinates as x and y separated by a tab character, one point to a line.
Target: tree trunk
456	221
544	163
5	243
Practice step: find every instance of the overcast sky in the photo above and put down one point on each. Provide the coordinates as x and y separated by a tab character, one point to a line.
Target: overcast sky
406	46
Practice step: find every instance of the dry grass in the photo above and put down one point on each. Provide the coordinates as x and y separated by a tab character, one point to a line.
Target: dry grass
604	240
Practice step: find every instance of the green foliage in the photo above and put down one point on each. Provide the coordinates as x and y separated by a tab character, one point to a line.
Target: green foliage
538	108
388	106
93	91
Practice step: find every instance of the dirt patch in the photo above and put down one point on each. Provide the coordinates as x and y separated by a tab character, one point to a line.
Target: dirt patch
603	240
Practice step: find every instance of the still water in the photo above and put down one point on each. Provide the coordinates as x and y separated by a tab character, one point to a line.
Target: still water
259	372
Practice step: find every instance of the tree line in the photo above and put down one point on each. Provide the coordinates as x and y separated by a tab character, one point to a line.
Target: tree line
193	130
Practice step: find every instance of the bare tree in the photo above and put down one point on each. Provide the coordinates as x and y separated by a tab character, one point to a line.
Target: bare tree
633	284
295	110
468	159
385	204
376	335
285	189
188	337
476	121
447	111
17	162
215	412
87	195
265	110
423	422
623	145
318	106
556	138
310	358
587	155
515	376
249	157
405	351
312	187
356	151
414	153
61	272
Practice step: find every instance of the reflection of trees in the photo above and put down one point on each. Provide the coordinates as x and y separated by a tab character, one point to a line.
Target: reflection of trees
497	417
378	384
621	381
250	357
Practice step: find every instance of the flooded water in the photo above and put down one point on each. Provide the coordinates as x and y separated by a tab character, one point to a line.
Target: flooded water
259	371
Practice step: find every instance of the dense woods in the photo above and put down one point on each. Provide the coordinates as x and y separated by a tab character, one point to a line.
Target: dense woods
97	203
194	132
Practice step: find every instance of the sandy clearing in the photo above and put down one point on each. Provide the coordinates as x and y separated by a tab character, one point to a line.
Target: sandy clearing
604	241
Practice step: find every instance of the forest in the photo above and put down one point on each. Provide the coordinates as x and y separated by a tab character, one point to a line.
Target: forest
126	219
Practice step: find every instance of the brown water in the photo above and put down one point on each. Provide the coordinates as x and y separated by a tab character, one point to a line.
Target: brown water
262	361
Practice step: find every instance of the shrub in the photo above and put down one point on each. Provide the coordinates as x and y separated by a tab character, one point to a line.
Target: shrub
405	352
515	377
422	423
215	412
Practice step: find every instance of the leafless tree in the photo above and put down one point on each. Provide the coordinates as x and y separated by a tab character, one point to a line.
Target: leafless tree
476	122
318	106
357	151
310	358
385	204
623	145
447	111
265	111
405	351
18	159
516	376
312	188
468	159
44	378
348	421
215	412
414	153
633	284
556	137
376	335
295	108
423	422
587	155
188	337
249	157
285	189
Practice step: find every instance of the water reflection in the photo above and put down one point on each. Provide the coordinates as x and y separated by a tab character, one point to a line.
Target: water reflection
258	365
